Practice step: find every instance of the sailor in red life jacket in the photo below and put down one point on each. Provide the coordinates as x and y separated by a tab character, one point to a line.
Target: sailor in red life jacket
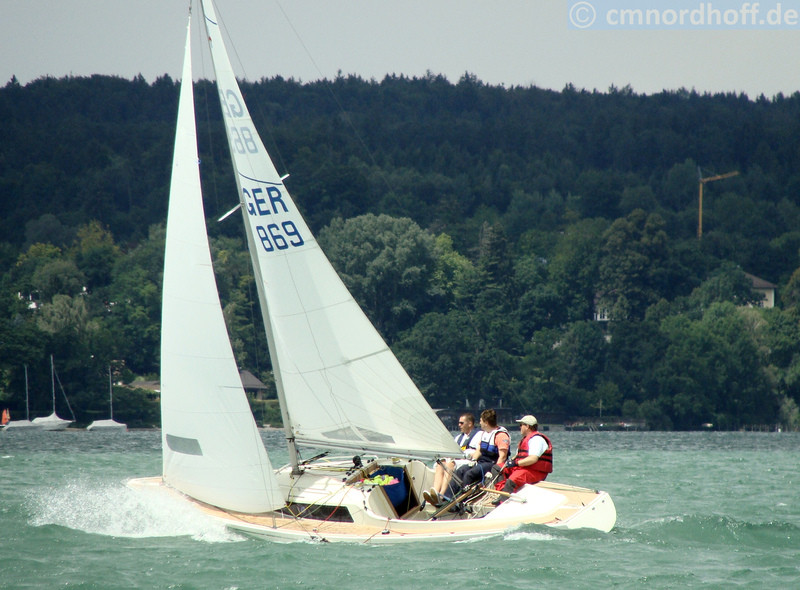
533	461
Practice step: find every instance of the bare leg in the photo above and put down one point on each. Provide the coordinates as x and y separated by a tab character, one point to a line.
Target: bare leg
442	477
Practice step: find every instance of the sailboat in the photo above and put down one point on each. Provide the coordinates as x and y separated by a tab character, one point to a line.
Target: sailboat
53	421
25	424
340	387
109	425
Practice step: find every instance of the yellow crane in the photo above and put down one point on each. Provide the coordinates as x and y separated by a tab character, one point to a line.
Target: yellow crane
703	181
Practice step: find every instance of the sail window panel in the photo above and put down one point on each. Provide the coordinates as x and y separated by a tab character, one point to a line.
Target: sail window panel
186	446
377	437
342	434
231	469
318	512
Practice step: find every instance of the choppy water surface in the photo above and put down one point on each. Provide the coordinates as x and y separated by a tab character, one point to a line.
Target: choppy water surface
707	510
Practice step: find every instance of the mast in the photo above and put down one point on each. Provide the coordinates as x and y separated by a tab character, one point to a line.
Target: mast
339	384
27	406
291	442
53	382
211	447
236	115
110	395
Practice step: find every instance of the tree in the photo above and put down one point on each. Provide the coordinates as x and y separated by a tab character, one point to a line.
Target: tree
454	275
493	257
439	353
133	311
56	277
581	356
48	229
95	254
387	263
36	256
67	315
634	351
636	269
538	302
573	269
711	370
461	355
790	295
726	283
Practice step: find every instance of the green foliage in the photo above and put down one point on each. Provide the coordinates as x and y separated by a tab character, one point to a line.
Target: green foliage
267	412
712	371
636	269
479	227
134	406
387	263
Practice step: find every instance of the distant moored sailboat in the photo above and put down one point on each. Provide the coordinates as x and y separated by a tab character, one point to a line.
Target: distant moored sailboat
53	421
25	424
109	425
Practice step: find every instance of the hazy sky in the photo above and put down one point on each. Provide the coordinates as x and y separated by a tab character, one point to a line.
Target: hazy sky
513	42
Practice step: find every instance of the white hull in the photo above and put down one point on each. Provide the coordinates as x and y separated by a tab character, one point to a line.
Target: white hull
51	422
371	518
107	426
22	425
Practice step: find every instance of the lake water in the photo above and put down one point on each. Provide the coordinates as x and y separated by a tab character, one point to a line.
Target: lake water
710	510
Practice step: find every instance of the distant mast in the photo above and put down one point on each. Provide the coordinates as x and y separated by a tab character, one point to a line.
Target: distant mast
53	382
27	403
110	395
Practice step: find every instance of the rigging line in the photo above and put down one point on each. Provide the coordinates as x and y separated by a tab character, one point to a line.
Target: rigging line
259	109
201	33
262	466
324	371
64	393
336	100
251	309
203	36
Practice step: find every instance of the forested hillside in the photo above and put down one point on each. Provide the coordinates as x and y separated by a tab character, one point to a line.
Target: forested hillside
480	227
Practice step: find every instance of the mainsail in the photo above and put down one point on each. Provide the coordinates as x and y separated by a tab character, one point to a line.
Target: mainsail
212	449
339	384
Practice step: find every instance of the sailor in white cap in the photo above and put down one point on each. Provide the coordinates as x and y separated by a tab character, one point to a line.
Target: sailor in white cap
533	461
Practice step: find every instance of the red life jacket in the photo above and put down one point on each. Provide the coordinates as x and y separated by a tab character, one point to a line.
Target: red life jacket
545	462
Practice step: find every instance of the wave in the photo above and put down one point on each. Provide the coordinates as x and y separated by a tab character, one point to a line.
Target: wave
112	509
715	530
522	535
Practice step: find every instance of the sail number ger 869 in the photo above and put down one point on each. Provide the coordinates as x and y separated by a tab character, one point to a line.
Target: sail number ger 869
273	236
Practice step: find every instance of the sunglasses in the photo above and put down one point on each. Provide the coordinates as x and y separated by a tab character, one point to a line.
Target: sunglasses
460	423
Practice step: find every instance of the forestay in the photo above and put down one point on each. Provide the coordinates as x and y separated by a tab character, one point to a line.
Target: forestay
212	450
339	383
